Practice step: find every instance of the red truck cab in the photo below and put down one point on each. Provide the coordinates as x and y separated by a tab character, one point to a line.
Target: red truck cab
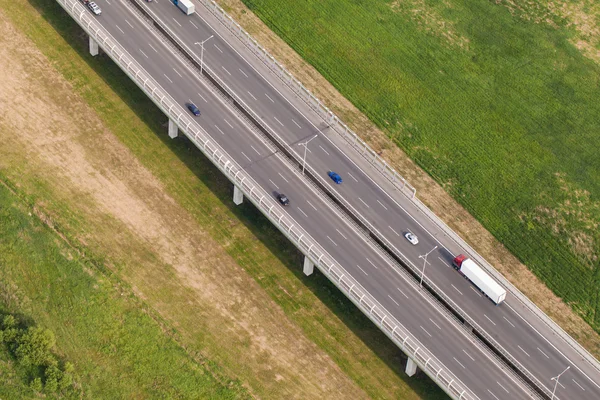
458	260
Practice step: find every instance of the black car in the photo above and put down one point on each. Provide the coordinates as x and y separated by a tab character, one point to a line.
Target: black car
283	199
192	107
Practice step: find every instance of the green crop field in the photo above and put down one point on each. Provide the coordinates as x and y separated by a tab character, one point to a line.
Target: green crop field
500	108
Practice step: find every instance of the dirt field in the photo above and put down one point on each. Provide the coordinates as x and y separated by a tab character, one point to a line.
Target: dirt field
56	149
428	190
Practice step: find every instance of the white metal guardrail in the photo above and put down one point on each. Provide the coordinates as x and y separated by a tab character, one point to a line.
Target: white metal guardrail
426	361
384	168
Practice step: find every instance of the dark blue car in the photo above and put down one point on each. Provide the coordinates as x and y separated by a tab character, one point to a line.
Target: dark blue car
192	107
335	177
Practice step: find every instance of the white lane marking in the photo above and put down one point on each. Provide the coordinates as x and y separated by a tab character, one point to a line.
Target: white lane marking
459	363
206	101
371	262
274	184
338	231
561	385
311	205
511	324
424	330
446	264
392	299
352	176
545	355
298	125
225	69
299	209
476	291
107	2
269	97
496	397
218	48
168	78
280	123
364	202
575	382
382	204
129	23
455	288
488	318
176	22
177	72
502	387
433	322
332	241
156	51
257	152
323	149
227	122
283	177
143	53
553	346
219	130
195	26
523	350
243	73
468	355
246	156
251	95
120	29
393	230
404	294
362	270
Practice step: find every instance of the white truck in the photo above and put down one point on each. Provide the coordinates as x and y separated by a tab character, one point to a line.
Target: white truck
185	5
485	283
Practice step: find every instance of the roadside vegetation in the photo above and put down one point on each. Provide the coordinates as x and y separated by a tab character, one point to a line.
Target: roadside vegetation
141	265
497	101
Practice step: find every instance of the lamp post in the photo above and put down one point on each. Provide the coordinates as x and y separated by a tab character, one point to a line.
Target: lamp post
425	262
305	144
555	379
202	52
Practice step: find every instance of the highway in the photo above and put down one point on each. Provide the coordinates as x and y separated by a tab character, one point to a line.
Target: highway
521	334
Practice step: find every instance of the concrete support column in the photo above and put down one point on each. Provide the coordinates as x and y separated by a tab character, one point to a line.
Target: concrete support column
411	367
172	129
93	47
238	196
308	266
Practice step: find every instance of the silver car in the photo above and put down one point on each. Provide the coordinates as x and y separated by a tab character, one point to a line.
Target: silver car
411	237
94	8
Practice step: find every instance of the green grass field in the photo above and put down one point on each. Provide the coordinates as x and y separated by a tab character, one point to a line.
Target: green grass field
119	351
501	110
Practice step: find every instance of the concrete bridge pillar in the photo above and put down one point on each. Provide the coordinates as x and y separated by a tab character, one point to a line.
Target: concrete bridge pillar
309	267
93	47
238	196
172	129
411	367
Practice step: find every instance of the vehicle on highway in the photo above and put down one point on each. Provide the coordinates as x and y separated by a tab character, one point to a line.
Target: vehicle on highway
186	6
94	8
485	283
193	109
335	177
412	238
283	199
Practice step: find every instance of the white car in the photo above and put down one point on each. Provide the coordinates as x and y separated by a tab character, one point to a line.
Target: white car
94	8
411	237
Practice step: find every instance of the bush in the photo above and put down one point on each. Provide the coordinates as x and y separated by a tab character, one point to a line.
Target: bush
34	347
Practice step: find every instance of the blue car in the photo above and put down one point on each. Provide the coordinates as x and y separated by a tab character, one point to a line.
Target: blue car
335	177
192	107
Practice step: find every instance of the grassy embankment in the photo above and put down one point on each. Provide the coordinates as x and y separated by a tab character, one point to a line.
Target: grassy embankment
501	110
319	321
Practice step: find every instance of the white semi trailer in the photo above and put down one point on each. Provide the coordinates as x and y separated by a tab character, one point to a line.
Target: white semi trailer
185	5
485	283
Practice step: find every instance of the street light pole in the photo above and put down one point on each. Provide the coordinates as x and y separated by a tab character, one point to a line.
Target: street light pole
305	144
555	379
425	262
202	52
